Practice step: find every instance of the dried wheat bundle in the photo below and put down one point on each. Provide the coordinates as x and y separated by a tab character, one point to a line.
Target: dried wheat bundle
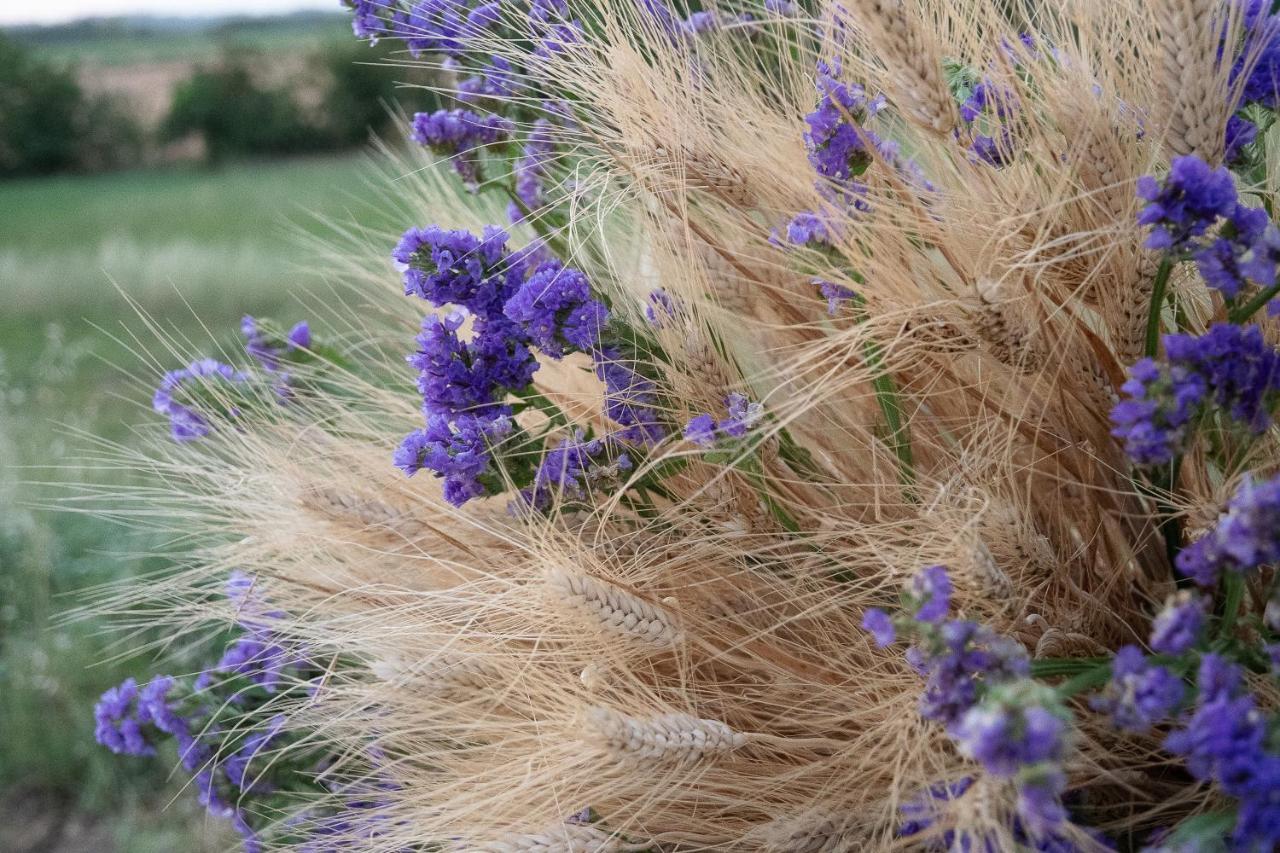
813	326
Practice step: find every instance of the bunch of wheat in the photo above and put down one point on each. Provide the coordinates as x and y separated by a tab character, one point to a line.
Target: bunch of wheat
658	645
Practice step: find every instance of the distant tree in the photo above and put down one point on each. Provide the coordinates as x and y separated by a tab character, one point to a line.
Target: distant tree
237	117
41	114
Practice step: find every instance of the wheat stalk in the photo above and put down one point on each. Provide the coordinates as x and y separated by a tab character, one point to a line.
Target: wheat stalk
1195	105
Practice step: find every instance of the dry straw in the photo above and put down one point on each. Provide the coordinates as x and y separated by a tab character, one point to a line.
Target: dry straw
694	671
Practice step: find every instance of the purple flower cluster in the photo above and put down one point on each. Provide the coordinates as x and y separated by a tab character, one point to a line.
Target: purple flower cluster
992	106
1246	538
742	414
1230	367
1192	198
557	310
1195	198
185	422
1259	59
1179	624
460	134
1140	694
920	814
630	399
1021	731
458	268
575	467
839	148
135	720
456	376
531	171
1248	251
835	294
267	349
1227	740
977	685
460	450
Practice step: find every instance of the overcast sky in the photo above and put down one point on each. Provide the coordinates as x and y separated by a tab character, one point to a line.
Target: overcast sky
57	11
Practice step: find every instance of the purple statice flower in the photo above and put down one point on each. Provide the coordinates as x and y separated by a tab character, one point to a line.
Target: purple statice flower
955	659
701	429
459	450
660	13
556	309
630	399
835	294
1248	252
880	625
1230	366
993	150
118	724
922	812
810	228
658	308
1140	694
531	170
496	78
987	98
460	135
258	658
444	26
931	593
700	23
236	765
839	149
781	8
185	423
742	414
1178	626
1246	538
367	18
458	268
1241	371
266	350
1162	401
1241	133
1190	200
1259	61
299	337
558	39
456	376
1226	740
575	467
1020	731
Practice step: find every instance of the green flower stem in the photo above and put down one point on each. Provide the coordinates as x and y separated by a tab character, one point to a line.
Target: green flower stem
1244	312
1087	680
1058	667
1234	584
890	402
1157	306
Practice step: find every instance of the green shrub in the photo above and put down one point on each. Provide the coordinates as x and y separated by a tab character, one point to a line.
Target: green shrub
237	117
48	124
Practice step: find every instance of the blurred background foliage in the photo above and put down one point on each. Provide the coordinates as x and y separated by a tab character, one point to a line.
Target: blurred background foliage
171	163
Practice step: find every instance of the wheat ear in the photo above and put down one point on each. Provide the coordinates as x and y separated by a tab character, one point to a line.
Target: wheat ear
1190	76
616	610
671	739
916	80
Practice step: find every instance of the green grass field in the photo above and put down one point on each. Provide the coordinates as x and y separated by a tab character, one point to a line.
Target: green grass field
196	250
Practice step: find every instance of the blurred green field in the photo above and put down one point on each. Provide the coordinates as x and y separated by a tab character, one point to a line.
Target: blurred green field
119	43
196	249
